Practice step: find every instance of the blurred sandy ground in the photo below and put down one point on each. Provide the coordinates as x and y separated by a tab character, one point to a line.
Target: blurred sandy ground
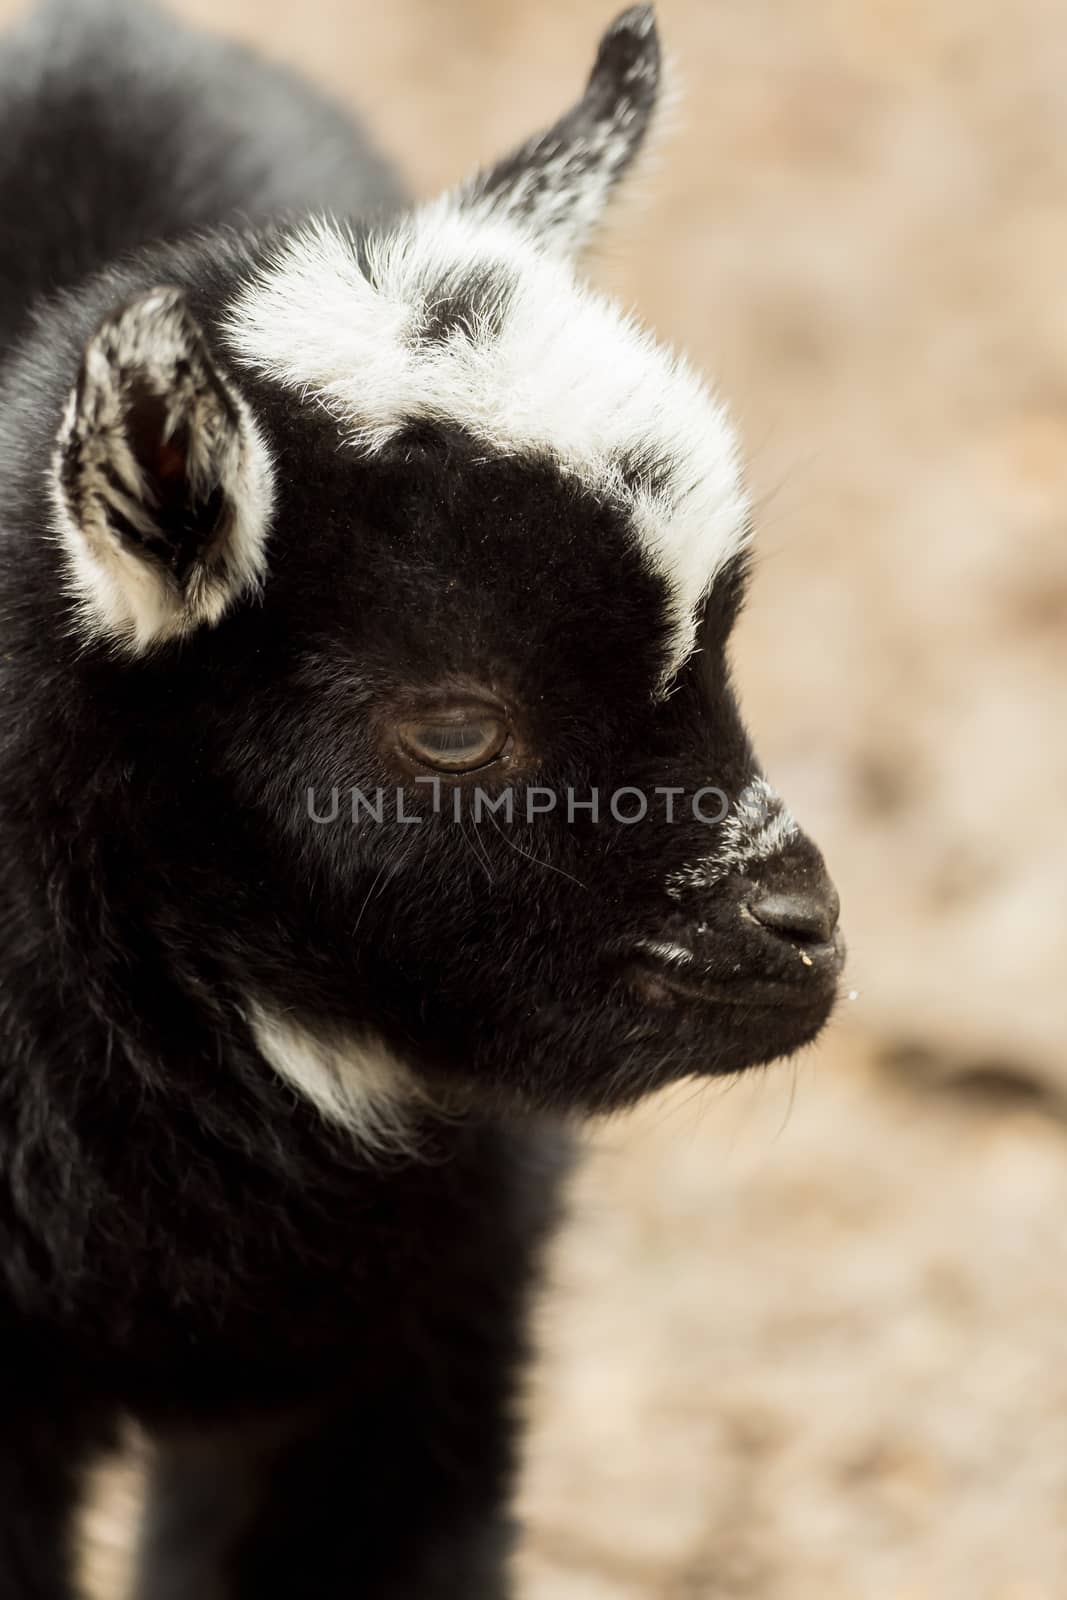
807	1338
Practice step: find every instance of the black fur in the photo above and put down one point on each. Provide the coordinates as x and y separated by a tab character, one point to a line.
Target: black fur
324	1344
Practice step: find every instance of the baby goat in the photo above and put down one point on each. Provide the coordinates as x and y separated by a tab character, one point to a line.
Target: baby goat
366	726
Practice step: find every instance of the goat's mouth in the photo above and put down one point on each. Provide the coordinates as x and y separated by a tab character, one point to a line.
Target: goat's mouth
660	987
667	974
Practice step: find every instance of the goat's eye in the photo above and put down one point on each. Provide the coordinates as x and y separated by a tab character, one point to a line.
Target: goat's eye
454	744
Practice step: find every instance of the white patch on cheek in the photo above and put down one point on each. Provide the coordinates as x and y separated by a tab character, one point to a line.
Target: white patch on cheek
356	1084
759	827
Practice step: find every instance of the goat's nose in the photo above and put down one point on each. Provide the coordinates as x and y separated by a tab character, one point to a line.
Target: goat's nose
808	915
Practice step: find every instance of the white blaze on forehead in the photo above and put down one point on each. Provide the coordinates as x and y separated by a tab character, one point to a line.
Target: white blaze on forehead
759	826
542	364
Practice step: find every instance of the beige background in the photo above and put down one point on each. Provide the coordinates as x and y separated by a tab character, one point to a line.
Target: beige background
807	1338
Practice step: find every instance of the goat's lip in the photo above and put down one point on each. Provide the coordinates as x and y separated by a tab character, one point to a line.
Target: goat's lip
659	978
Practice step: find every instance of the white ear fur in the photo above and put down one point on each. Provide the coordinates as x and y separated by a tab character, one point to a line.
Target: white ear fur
161	482
558	185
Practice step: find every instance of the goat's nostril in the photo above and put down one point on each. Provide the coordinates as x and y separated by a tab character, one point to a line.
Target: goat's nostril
806	915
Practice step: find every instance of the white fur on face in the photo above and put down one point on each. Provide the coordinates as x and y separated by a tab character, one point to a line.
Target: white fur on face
759	826
356	1084
118	592
545	365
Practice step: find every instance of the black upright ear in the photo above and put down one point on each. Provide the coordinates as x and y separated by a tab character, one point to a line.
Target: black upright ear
162	482
559	183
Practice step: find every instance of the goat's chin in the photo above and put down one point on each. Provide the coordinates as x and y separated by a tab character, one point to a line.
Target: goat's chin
714	1034
747	1032
590	1052
616	1065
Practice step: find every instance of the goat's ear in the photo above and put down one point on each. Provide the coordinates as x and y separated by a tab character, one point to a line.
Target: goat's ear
559	184
162	483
